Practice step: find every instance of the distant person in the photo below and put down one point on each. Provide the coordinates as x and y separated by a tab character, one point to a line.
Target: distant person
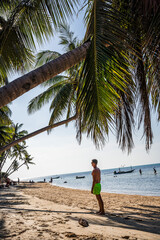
51	180
155	171
96	186
8	182
18	180
44	180
140	171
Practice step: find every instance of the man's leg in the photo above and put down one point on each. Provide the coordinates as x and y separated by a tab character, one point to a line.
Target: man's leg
101	205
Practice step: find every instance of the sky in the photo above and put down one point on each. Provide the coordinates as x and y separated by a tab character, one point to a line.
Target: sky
60	152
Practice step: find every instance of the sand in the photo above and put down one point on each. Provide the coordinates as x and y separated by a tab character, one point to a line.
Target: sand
41	211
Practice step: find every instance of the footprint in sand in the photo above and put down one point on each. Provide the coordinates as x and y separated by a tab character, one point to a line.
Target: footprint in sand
70	235
40	234
68	214
44	225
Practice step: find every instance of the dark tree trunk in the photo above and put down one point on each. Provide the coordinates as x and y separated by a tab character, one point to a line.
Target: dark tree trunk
49	70
8	146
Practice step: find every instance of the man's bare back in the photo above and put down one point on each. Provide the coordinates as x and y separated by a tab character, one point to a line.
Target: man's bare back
96	173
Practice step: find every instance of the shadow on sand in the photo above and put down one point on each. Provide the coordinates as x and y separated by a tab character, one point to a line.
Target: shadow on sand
3	231
147	220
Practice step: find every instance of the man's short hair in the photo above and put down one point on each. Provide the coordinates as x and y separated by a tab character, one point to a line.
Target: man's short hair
95	161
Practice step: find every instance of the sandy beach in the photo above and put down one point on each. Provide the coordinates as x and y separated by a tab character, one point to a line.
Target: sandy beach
41	211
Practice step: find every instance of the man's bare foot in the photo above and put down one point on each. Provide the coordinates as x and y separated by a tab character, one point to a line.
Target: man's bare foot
101	213
98	212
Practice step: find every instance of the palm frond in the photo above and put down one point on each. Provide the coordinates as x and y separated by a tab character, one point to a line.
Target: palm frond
142	26
23	24
124	119
5	134
38	102
105	70
60	103
67	38
62	88
46	56
144	105
155	91
5	114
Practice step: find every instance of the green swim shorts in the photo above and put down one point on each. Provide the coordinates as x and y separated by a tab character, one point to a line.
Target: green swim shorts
97	189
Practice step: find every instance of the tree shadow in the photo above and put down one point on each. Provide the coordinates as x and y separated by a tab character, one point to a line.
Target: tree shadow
143	218
149	206
43	210
138	222
3	231
146	212
24	186
128	221
150	226
9	198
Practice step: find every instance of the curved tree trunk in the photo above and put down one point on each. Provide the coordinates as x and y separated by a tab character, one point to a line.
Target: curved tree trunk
8	146
49	70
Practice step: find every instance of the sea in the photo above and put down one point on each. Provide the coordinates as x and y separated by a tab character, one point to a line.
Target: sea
147	183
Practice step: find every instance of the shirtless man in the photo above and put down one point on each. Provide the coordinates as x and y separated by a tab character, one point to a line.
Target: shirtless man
96	186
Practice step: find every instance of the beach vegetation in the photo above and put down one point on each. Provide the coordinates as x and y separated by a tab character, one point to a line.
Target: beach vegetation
16	156
111	79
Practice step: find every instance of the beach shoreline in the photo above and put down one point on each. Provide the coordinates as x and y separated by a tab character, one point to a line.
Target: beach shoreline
45	211
128	194
145	184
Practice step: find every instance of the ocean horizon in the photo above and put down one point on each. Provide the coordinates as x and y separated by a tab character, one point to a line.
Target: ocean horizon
147	183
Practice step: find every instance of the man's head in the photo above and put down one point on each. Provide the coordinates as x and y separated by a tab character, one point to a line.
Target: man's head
94	163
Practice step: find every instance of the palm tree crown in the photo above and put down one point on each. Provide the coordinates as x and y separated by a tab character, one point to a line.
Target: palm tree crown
119	73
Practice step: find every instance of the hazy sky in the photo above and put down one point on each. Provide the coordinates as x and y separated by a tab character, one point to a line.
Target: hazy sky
59	152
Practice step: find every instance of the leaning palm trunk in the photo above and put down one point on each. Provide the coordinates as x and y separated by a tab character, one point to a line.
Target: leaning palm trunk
3	162
49	70
8	146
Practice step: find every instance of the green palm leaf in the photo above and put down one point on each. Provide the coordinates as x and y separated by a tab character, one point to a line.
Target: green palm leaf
5	134
104	72
43	98
22	23
67	38
5	114
61	91
46	56
60	103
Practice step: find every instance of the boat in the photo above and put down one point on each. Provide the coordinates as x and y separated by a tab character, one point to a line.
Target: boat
55	177
79	177
123	172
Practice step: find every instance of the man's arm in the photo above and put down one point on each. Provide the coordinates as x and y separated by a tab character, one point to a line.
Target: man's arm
94	180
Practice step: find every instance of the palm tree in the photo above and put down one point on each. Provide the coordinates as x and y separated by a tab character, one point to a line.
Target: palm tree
60	65
18	154
5	114
62	89
63	92
9	134
27	160
17	132
19	157
64	85
22	23
5	134
116	40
